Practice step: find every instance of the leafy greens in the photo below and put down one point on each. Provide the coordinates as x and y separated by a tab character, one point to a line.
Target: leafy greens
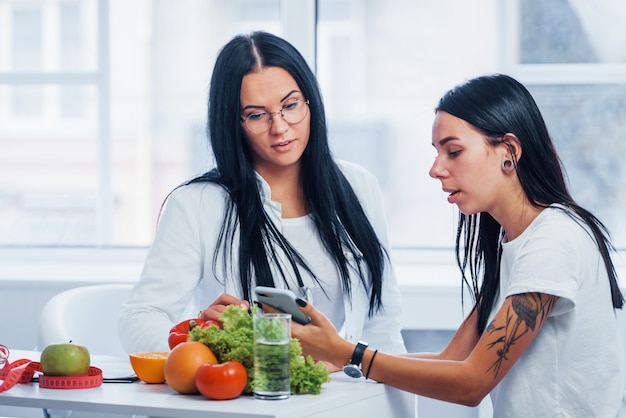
236	342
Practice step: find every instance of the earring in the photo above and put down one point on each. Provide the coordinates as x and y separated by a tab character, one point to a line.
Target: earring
507	164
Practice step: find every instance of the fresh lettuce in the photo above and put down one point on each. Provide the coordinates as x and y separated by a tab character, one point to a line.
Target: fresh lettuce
236	342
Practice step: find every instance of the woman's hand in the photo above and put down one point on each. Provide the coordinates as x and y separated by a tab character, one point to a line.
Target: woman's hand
331	367
218	306
319	338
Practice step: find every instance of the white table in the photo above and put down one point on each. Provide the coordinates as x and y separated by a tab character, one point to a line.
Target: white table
342	397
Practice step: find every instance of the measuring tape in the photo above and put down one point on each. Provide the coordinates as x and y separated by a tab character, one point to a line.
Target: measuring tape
23	370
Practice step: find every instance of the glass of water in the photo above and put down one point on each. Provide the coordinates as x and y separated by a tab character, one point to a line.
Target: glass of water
272	335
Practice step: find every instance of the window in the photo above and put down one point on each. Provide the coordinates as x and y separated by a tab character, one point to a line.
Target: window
49	131
102	107
570	54
103	102
382	69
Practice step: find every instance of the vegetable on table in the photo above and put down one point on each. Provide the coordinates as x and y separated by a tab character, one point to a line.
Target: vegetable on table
180	332
221	381
235	342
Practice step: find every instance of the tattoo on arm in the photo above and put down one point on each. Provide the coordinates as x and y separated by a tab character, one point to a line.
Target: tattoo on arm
527	311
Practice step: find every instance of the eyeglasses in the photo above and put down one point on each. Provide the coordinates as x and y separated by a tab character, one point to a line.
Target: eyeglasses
292	113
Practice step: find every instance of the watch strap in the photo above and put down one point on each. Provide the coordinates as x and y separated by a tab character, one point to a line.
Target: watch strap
357	355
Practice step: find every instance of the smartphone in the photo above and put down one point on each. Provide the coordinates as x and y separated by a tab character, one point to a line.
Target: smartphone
283	300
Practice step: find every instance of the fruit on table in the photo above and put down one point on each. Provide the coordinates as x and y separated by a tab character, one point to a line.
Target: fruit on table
149	366
221	381
65	360
182	364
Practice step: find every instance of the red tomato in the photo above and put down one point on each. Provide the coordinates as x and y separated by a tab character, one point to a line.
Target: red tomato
221	381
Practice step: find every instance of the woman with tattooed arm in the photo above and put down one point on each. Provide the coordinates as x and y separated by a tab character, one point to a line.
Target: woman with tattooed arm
542	338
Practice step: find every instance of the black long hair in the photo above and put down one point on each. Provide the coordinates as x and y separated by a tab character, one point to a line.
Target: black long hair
496	105
338	216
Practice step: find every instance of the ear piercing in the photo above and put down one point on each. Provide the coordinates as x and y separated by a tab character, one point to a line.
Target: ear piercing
507	164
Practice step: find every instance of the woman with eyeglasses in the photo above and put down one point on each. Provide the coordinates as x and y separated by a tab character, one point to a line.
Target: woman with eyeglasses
277	211
543	338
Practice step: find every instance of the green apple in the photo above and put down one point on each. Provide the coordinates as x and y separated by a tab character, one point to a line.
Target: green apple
65	360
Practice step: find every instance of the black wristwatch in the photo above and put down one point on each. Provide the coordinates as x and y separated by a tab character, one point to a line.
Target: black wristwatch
353	369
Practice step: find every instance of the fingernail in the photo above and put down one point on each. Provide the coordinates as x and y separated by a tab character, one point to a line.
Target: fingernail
301	302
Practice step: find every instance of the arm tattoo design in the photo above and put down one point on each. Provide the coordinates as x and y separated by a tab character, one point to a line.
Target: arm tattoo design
526	312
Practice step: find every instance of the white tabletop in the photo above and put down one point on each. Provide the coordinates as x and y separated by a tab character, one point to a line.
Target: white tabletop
342	397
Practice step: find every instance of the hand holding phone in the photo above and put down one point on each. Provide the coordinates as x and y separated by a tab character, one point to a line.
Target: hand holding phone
283	300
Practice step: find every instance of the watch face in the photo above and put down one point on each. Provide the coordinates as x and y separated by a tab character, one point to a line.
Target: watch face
352	370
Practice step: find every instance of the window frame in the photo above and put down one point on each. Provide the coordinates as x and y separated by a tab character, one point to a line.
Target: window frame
298	20
299	25
100	80
575	73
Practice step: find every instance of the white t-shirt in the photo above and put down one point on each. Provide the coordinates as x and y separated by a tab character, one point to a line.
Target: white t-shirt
575	365
302	235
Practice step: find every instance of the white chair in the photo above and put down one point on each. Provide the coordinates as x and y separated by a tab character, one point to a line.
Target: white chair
85	315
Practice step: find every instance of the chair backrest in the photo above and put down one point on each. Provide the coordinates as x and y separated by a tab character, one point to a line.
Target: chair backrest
86	315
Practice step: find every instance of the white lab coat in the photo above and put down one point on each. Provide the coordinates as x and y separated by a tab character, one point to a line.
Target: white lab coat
178	278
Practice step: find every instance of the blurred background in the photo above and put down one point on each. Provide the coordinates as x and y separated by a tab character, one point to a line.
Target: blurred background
103	102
